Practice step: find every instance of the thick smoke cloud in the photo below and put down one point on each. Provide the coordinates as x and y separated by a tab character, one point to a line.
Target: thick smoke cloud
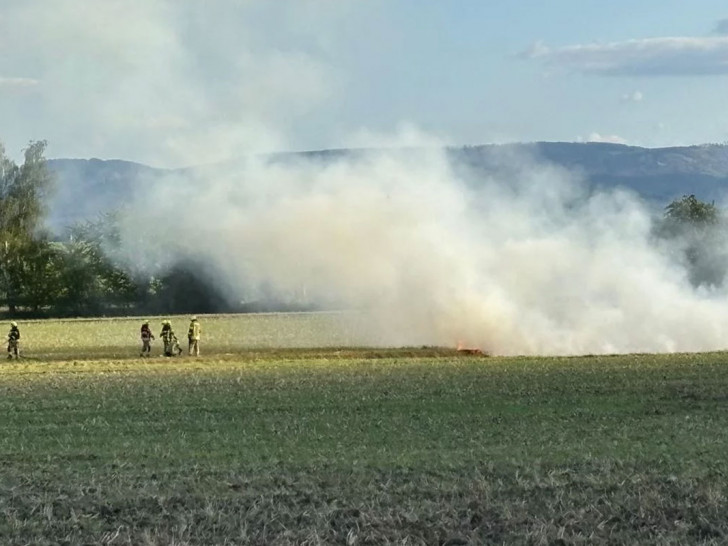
527	262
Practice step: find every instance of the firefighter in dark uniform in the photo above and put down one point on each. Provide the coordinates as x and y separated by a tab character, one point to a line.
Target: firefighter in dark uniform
166	335
147	337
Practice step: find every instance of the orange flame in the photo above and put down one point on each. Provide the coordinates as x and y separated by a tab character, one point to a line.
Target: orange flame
461	348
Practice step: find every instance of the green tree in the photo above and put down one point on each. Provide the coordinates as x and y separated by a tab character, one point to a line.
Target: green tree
91	282
23	190
41	275
696	231
689	213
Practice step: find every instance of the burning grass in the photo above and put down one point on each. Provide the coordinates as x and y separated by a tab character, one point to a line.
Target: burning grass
353	447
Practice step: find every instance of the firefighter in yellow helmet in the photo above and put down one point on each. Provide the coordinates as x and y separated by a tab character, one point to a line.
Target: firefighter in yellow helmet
166	335
193	337
171	343
14	341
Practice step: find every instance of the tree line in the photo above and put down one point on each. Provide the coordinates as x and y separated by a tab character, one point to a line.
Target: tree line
73	275
42	274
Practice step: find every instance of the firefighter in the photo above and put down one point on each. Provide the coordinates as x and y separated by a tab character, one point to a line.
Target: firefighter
166	334
147	337
13	341
193	337
171	343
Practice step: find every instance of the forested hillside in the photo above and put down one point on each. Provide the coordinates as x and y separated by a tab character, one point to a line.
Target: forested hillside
88	187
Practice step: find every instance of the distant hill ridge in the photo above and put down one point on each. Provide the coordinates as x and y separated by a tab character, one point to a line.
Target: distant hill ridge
89	187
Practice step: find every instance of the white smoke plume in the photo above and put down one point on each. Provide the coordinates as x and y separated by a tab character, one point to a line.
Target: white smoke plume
524	263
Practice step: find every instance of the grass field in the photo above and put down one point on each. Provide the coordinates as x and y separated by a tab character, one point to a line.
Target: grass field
118	338
254	444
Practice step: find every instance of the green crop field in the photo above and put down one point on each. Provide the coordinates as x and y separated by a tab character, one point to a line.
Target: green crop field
278	435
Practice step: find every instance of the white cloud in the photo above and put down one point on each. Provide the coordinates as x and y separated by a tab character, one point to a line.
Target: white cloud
536	49
634	96
17	82
670	56
598	137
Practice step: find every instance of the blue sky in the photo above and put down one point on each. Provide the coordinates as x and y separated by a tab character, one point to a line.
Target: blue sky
178	82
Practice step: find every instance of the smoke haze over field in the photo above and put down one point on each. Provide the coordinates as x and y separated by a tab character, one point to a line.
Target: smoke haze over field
528	264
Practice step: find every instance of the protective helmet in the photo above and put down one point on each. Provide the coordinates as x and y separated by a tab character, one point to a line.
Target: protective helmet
146	323
14	324
194	319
